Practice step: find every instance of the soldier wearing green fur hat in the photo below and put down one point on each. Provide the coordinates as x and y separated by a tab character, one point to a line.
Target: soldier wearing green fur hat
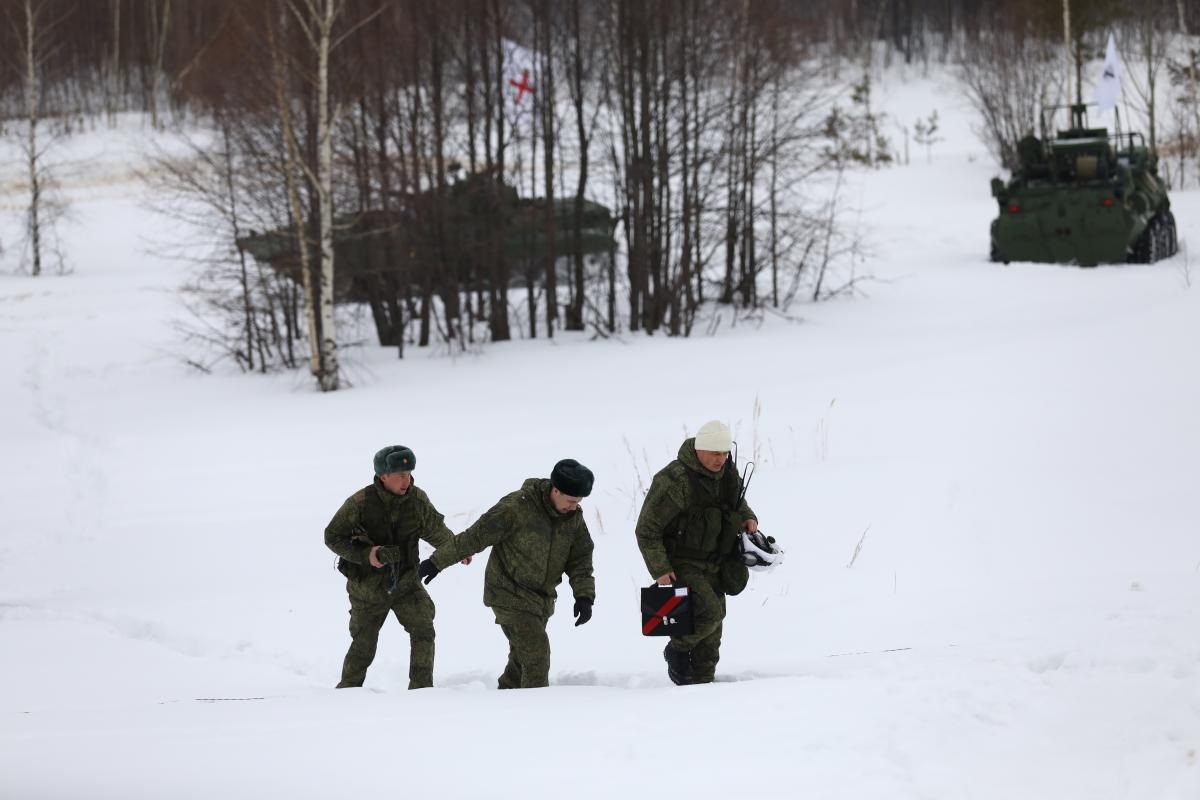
375	535
537	534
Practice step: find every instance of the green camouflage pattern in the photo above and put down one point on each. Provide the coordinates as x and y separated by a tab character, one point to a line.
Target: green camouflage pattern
682	528
375	516
533	546
671	507
528	664
708	609
413	609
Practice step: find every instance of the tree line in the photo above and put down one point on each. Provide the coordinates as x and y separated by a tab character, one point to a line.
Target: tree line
412	140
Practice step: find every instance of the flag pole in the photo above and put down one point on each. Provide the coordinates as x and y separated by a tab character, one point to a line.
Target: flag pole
1067	47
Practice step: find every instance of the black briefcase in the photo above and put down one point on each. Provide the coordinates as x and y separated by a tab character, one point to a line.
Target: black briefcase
667	611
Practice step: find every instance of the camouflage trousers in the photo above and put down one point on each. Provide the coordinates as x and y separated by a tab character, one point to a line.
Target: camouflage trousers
528	664
369	607
708	608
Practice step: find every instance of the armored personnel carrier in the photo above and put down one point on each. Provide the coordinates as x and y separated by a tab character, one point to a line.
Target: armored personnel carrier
1084	197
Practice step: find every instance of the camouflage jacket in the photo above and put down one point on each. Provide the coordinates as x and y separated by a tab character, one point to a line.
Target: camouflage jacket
532	547
375	516
689	514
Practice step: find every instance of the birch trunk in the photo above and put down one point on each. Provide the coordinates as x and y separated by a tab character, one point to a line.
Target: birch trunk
548	135
114	67
574	320
32	98
328	378
291	158
160	45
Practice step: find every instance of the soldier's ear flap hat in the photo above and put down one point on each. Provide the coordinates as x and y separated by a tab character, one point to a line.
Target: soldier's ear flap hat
572	478
714	435
394	458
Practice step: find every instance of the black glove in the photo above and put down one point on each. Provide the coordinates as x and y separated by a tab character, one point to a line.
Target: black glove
427	570
583	610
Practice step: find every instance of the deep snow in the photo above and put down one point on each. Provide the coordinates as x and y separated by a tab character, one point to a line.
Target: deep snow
1015	448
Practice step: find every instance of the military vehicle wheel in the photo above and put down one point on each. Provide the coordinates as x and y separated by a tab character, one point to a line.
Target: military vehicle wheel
1172	233
1164	241
994	254
1146	248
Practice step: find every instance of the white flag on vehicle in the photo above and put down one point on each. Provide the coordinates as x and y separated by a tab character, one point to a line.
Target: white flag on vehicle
1109	87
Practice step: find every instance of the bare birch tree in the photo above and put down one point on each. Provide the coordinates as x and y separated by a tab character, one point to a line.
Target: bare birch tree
35	33
32	100
316	19
1007	77
1152	43
112	86
159	25
292	166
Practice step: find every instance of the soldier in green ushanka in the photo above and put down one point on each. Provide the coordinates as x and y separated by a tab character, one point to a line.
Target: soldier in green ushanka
375	535
537	534
688	533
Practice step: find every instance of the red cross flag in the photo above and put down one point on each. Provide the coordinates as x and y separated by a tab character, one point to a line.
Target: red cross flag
522	86
519	79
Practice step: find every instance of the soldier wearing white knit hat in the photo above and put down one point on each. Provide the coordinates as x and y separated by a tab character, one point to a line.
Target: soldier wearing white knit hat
688	533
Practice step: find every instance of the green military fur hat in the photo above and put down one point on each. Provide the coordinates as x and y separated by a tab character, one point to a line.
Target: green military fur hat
572	478
394	458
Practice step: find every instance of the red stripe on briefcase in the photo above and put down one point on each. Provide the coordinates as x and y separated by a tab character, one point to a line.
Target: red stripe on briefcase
665	611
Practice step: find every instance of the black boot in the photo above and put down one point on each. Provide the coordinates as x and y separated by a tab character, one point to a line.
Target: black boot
679	665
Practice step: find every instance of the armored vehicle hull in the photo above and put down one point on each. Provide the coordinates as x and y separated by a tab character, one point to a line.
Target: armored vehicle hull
1084	198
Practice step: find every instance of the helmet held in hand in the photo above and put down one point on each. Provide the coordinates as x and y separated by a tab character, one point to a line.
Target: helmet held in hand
759	551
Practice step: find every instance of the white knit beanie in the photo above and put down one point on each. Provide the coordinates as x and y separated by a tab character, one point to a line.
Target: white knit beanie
714	435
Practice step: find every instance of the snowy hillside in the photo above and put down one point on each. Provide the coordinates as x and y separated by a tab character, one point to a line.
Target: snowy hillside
986	478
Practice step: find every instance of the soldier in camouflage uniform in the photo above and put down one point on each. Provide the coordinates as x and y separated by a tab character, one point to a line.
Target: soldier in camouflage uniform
687	532
537	534
375	535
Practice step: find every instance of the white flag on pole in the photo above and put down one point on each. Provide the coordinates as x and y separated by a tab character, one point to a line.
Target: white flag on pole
1109	87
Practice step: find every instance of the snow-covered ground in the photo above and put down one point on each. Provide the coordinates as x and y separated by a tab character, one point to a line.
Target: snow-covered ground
1016	449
